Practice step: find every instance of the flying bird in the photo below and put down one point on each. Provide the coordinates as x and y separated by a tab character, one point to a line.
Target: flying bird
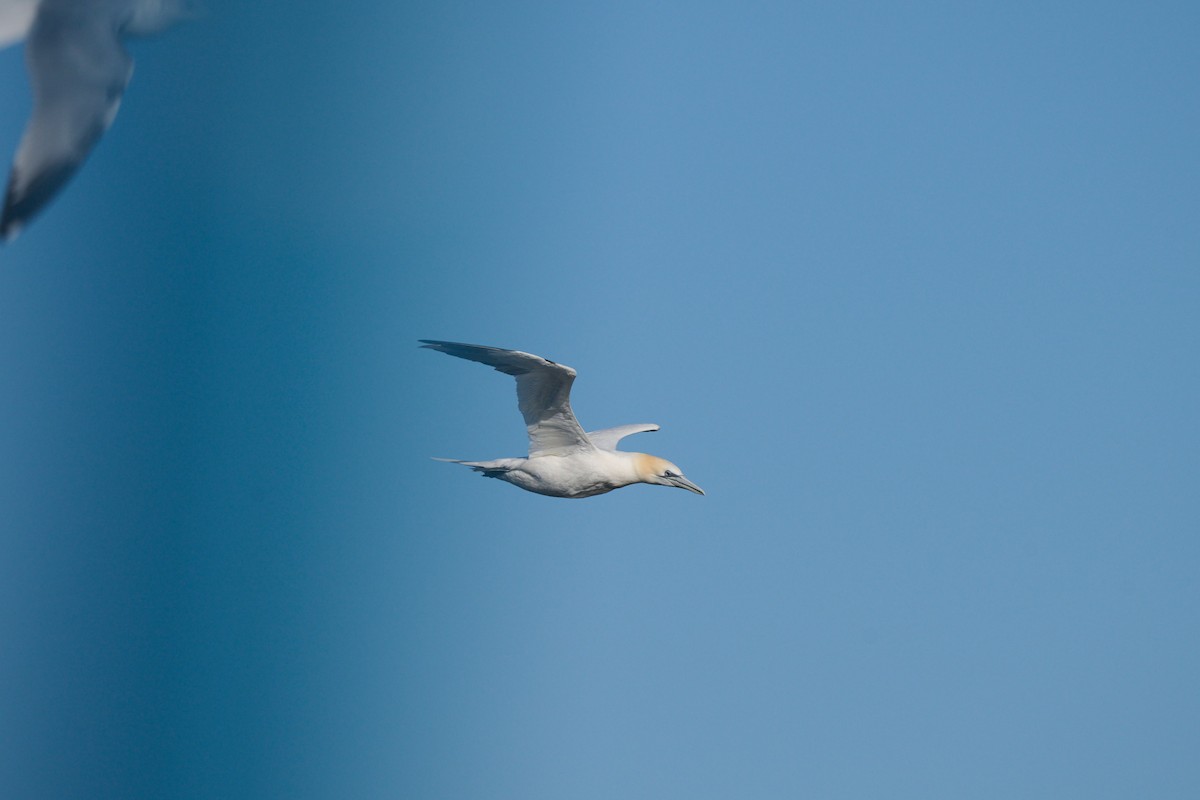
78	70
563	460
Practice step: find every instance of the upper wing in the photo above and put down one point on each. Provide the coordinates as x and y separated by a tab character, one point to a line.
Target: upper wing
543	394
15	18
607	438
79	72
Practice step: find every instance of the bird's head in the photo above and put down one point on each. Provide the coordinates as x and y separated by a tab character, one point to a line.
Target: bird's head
652	469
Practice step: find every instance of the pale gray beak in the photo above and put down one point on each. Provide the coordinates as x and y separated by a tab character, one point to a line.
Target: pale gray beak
684	483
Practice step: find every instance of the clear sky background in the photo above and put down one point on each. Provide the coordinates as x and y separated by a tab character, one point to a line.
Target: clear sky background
914	293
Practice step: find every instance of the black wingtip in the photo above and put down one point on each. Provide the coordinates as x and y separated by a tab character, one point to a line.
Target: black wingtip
20	206
10	226
448	348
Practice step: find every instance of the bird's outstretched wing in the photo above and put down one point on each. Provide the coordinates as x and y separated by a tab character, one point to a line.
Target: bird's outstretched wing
543	395
607	438
79	71
15	18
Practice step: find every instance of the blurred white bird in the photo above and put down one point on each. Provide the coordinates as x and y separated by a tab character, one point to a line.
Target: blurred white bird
563	460
79	71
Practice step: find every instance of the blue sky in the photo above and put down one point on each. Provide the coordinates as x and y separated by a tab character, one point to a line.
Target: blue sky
913	293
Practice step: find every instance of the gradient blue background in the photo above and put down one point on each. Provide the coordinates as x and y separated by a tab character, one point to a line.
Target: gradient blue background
913	292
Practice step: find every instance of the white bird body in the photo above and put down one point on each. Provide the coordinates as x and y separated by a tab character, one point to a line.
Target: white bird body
563	461
582	474
79	70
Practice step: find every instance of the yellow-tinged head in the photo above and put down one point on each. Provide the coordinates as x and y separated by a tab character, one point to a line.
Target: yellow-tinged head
652	469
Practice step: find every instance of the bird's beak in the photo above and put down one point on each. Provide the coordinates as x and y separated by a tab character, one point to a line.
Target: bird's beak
684	483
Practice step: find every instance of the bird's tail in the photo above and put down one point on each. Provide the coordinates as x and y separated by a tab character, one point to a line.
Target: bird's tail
490	469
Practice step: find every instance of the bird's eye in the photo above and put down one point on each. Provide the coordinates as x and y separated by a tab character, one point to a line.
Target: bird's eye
670	474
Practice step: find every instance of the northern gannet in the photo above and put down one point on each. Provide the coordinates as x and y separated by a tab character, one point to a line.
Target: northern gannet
78	70
563	460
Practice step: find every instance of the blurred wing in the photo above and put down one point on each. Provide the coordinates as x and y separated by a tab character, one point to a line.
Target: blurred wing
543	395
16	17
79	72
607	438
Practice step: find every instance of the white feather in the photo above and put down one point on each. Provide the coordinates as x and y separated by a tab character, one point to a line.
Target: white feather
16	17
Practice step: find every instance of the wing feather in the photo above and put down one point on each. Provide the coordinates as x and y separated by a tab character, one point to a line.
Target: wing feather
16	16
79	71
543	394
607	438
